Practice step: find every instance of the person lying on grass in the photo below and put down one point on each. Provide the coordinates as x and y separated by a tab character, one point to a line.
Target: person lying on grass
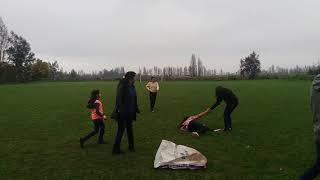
191	124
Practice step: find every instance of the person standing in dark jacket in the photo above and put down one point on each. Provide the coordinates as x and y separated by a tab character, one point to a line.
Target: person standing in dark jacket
125	111
226	95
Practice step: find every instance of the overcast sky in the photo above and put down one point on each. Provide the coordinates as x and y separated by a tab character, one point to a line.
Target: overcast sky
97	34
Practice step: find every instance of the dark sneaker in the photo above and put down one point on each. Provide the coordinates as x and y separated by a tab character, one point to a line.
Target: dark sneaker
227	129
81	143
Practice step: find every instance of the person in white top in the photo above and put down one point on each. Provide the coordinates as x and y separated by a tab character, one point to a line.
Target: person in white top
153	88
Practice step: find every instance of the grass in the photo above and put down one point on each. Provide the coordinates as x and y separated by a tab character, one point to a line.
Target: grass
40	125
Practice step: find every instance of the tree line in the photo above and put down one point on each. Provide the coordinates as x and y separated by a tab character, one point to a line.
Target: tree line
18	64
196	69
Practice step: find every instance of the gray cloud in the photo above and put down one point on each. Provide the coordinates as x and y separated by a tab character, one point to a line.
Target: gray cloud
93	34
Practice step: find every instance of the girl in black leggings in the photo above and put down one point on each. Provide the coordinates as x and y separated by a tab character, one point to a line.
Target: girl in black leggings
97	116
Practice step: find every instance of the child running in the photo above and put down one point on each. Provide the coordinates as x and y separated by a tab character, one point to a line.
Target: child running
97	116
190	124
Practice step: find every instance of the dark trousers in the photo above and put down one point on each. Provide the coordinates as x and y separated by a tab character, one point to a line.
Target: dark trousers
98	126
227	114
124	123
153	97
315	170
195	126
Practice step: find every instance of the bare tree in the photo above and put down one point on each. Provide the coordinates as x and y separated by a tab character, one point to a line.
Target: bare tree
200	67
145	73
193	66
185	71
4	39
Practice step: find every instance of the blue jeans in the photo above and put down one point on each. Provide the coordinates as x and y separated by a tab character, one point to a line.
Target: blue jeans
315	170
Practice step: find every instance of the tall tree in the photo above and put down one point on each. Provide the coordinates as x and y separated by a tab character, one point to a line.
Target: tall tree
73	74
193	66
200	67
144	73
250	66
19	52
180	71
53	68
122	71
185	71
40	70
4	39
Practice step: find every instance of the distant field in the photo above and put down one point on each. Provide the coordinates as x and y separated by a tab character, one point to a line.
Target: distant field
40	125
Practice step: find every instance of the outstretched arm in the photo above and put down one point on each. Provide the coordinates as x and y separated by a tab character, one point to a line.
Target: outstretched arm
219	100
202	113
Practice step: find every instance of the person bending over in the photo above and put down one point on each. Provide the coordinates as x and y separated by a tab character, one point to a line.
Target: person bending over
231	100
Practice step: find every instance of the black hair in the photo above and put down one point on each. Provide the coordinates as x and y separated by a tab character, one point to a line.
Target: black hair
93	98
130	75
219	87
152	77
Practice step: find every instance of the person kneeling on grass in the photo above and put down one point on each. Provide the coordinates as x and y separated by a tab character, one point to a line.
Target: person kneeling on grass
190	124
97	116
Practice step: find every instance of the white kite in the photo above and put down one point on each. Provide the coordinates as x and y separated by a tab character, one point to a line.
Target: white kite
170	155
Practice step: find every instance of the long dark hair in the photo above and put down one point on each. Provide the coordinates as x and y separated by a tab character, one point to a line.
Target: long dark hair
93	98
130	75
125	80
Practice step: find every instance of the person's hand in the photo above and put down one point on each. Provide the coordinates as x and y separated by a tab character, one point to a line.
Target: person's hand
104	117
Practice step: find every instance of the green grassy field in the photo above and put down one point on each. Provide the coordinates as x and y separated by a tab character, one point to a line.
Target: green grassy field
40	125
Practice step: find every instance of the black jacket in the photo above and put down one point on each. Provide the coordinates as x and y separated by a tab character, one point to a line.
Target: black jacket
224	94
120	110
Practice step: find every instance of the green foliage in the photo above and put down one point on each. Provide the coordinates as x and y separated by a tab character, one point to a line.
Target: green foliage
250	66
40	70
42	122
73	75
19	53
7	72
